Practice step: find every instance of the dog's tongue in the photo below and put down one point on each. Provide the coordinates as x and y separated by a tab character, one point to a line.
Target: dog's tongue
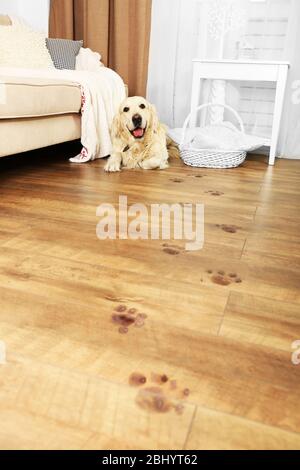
138	132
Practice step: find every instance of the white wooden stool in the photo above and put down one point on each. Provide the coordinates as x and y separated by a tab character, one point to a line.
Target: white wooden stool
248	71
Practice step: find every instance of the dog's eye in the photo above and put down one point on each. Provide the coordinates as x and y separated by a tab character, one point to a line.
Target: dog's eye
142	106
126	109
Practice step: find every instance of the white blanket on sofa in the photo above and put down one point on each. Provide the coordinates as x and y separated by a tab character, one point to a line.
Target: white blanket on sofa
102	92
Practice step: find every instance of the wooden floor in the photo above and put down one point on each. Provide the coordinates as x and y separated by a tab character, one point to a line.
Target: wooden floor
135	345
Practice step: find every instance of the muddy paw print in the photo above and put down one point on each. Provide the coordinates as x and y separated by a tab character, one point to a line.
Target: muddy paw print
215	193
172	249
229	228
161	395
223	279
125	318
176	180
197	176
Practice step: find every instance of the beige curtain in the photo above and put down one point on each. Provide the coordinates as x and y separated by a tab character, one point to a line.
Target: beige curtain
118	29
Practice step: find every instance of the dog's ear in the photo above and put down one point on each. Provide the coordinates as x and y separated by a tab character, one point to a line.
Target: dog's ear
154	123
116	127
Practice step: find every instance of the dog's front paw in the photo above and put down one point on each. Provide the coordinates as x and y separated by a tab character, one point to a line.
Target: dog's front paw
112	165
164	165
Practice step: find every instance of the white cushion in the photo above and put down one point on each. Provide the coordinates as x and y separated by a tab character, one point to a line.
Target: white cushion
22	47
223	136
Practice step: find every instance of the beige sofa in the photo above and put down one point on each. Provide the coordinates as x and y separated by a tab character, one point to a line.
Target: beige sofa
36	113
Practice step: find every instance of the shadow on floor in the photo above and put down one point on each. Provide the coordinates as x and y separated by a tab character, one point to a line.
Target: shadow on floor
41	157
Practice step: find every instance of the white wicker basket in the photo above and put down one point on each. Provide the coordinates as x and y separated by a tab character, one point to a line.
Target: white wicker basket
211	158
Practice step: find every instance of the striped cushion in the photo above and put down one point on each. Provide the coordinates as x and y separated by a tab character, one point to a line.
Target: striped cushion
63	52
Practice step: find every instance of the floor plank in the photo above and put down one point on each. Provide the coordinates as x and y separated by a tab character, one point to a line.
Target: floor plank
217	431
262	321
45	407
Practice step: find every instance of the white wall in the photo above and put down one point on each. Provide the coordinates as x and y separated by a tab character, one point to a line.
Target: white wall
34	12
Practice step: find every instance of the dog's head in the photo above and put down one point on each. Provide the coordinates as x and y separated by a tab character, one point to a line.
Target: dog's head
136	118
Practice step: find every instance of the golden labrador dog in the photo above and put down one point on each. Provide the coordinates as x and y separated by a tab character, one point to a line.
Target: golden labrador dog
139	139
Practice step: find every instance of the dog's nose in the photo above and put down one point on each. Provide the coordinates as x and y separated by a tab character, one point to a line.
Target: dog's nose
137	120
